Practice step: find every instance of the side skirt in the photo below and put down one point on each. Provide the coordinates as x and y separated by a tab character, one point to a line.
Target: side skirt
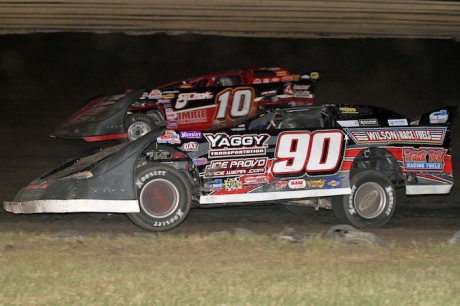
68	206
272	196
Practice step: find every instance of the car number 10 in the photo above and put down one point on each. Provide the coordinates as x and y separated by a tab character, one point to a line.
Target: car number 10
319	151
241	100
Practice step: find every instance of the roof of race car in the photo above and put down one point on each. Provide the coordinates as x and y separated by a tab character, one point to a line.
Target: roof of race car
252	71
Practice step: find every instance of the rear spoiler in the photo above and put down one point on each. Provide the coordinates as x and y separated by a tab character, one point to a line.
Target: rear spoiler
440	116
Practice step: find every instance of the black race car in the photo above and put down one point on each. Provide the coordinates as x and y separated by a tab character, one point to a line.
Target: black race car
346	157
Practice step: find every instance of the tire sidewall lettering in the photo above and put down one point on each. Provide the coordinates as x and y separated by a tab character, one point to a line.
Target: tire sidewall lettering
141	118
140	182
177	216
351	198
391	199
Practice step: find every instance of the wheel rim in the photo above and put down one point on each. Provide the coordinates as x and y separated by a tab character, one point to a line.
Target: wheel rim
159	198
138	129
370	200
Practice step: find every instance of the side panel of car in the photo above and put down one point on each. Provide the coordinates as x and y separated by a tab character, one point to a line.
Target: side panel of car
244	166
201	108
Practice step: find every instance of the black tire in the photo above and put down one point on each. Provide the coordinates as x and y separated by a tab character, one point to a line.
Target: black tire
336	202
165	198
370	204
137	125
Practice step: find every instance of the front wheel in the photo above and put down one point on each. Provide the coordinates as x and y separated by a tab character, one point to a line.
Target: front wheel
371	203
137	125
164	196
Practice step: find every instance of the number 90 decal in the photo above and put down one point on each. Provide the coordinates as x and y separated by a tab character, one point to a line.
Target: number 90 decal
311	152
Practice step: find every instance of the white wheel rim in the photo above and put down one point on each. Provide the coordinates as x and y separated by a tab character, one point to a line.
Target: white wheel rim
138	129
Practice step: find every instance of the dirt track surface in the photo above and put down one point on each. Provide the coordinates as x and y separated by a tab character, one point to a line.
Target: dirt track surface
407	226
43	79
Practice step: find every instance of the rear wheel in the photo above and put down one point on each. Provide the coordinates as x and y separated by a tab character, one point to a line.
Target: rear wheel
371	203
164	197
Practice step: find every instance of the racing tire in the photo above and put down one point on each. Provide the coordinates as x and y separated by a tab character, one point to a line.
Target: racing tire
164	196
370	204
137	125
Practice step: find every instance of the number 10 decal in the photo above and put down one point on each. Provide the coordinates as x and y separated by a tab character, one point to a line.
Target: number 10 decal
241	100
308	151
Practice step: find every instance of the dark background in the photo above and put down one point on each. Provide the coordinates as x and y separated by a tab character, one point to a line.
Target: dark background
46	77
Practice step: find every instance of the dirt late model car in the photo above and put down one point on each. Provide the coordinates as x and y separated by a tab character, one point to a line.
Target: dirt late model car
196	103
346	157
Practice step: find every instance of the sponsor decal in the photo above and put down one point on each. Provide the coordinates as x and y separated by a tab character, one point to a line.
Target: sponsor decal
275	79
439	117
169	137
333	182
281	185
233	167
256	81
195	116
190	134
223	145
183	98
174	91
398	135
297	184
168	96
269	92
200	161
155	94
287	89
316	183
170	114
232	184
214	185
163	101
368	122
255	180
37	187
314	75
287	78
424	159
281	73
348	110
397	122
172	124
302	91
348	123
190	146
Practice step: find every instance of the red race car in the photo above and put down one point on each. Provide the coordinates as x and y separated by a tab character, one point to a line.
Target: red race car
191	104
